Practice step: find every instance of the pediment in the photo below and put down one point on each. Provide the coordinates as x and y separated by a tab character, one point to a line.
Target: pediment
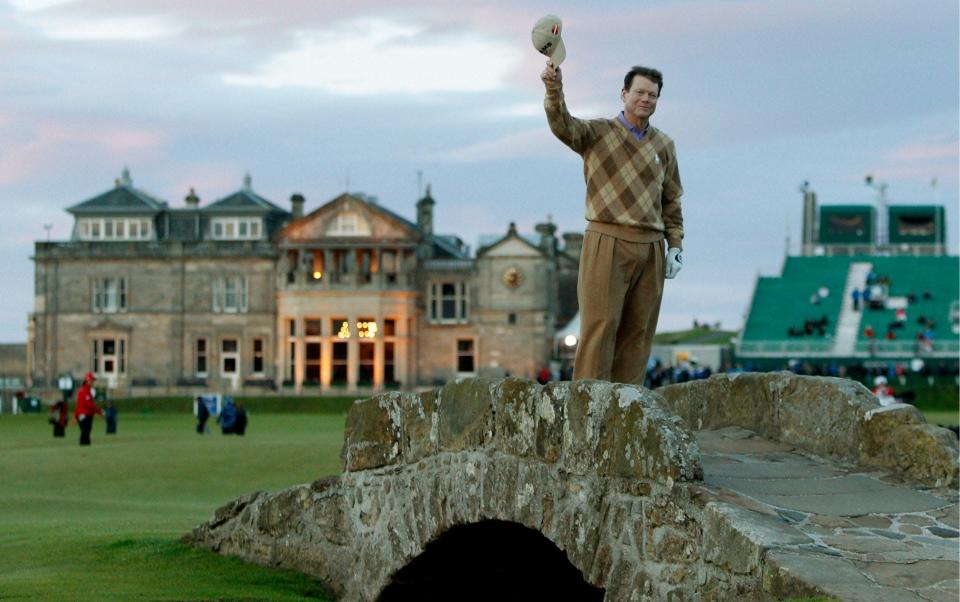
348	217
512	246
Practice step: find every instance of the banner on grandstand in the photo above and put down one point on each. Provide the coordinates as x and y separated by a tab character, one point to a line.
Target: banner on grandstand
922	224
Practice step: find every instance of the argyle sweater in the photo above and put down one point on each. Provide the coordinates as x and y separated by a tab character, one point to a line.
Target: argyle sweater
633	186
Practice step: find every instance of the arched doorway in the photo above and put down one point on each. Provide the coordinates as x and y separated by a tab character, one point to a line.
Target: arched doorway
491	561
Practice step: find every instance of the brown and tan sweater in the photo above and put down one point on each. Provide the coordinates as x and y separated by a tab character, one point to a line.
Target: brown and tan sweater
633	186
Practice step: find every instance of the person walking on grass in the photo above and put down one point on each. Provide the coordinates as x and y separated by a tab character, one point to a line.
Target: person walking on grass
86	408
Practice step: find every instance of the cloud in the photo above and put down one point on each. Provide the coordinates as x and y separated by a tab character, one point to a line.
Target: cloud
380	56
54	145
526	144
37	5
78	28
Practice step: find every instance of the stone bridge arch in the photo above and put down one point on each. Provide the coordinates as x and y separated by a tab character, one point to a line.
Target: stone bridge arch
605	472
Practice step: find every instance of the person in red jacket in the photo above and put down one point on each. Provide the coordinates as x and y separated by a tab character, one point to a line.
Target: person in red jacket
86	408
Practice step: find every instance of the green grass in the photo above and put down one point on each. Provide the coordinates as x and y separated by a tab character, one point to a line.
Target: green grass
269	404
103	523
942	417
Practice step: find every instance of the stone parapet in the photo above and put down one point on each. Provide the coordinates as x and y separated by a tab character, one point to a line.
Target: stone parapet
585	426
832	417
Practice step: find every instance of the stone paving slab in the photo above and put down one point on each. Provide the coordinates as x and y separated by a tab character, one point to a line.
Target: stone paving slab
854	504
835	485
725	467
857	535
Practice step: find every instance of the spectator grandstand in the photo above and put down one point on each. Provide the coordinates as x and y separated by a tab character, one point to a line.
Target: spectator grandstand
909	292
925	287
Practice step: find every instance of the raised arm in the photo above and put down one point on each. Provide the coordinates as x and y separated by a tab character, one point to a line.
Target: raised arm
575	133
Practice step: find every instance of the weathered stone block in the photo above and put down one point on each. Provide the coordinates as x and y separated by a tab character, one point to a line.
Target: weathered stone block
466	414
551	413
372	437
897	437
516	416
420	422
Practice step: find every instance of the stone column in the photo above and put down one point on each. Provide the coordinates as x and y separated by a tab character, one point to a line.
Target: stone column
327	270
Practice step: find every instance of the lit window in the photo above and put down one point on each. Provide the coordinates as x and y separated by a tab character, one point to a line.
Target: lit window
366	328
340	326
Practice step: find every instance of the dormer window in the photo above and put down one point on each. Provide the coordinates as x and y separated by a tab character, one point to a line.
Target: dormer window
236	228
114	228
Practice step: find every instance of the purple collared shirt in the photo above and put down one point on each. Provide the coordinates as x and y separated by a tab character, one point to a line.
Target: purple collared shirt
637	132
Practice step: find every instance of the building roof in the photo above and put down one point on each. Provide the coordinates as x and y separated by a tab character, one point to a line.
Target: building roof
123	199
447	246
244	200
488	242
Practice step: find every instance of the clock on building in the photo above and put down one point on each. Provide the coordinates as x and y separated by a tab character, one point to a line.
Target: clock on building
512	277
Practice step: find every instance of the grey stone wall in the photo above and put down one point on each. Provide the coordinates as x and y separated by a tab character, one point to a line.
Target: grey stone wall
169	303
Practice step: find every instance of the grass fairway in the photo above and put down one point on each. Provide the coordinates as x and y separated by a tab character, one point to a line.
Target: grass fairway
102	523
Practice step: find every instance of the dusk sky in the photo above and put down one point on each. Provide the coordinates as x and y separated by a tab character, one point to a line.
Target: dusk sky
319	97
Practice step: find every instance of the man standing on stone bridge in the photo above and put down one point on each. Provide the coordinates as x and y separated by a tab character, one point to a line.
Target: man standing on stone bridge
633	204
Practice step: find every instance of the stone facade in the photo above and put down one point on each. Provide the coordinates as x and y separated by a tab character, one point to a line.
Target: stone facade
243	295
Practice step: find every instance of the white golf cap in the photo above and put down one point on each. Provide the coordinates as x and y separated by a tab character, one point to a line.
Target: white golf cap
546	39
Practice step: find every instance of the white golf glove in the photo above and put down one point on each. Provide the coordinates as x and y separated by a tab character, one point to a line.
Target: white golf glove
674	262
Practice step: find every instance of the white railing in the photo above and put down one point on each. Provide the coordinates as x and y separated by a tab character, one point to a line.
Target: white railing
863	348
908	347
784	347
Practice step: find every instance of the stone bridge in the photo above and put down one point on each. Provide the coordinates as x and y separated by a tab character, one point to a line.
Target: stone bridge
786	486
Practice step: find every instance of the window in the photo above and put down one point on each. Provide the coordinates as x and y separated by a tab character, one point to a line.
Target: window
340	328
311	374
348	223
109	295
339	365
109	356
235	228
229	356
200	358
448	302
367	328
312	327
511	318
113	228
230	294
389	363
292	327
465	357
389	327
365	367
258	356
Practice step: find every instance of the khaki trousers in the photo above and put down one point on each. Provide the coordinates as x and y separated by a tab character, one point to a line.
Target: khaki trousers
619	289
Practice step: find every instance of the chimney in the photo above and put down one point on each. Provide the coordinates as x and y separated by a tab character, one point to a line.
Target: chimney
425	213
296	205
573	243
548	241
192	200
